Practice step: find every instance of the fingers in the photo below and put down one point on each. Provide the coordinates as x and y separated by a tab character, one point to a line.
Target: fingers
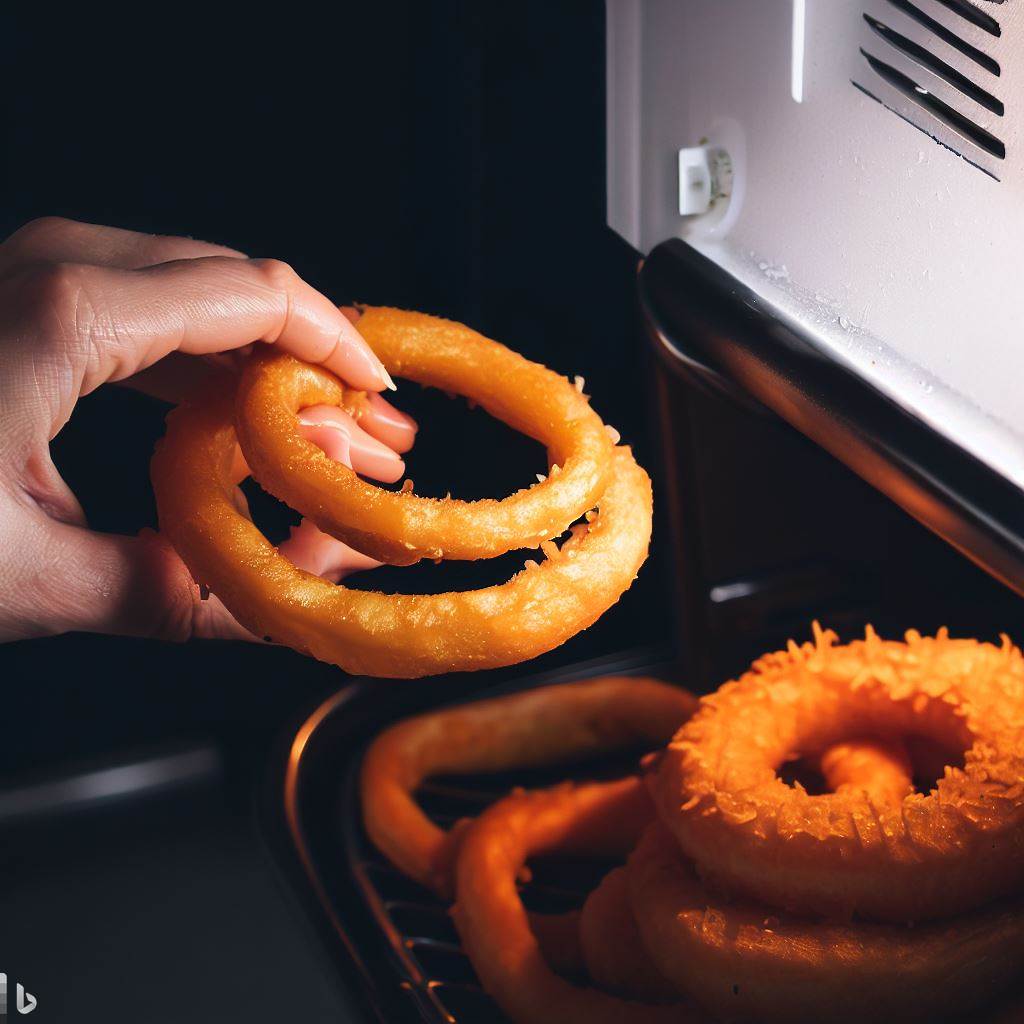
138	586
383	421
311	549
333	430
178	376
58	240
124	323
82	275
126	320
308	547
105	583
388	424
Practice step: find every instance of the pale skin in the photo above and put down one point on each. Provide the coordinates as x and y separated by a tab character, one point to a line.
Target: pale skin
82	306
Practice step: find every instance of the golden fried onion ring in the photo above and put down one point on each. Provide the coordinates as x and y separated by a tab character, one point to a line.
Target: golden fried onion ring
194	471
548	725
878	769
400	527
744	961
489	914
613	951
929	855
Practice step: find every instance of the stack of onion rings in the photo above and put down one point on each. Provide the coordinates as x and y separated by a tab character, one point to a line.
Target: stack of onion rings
930	855
748	961
197	466
547	726
682	932
612	948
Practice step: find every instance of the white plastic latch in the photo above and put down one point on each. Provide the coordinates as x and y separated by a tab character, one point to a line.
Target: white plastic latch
702	173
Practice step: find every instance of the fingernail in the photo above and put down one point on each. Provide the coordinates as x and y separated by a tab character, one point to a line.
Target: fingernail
386	423
356	363
309	548
337	434
387	414
363	369
373	458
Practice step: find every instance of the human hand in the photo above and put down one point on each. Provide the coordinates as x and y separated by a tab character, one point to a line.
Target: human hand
83	305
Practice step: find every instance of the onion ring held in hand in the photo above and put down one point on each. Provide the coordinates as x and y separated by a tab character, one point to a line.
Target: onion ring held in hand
197	465
941	853
744	961
548	725
194	471
399	527
489	914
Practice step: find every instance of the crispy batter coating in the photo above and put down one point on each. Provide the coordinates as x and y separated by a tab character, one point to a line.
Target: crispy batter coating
744	961
613	950
197	465
493	924
658	942
546	726
929	855
401	527
194	471
878	769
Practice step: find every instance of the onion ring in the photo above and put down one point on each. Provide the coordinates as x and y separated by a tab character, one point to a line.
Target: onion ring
493	924
558	938
613	951
194	471
548	725
400	527
946	852
745	962
879	770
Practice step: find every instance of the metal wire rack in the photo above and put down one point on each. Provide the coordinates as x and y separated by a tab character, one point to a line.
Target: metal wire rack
432	966
392	942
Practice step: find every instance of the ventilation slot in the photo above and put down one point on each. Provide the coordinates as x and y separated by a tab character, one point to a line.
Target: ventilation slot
903	117
947	35
937	66
973	15
941	111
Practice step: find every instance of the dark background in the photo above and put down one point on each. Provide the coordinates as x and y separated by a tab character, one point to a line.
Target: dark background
446	157
442	156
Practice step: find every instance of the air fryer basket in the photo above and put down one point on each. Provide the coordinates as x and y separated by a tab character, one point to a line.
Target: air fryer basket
392	940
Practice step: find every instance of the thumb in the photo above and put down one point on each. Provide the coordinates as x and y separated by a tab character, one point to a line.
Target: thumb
108	583
139	586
